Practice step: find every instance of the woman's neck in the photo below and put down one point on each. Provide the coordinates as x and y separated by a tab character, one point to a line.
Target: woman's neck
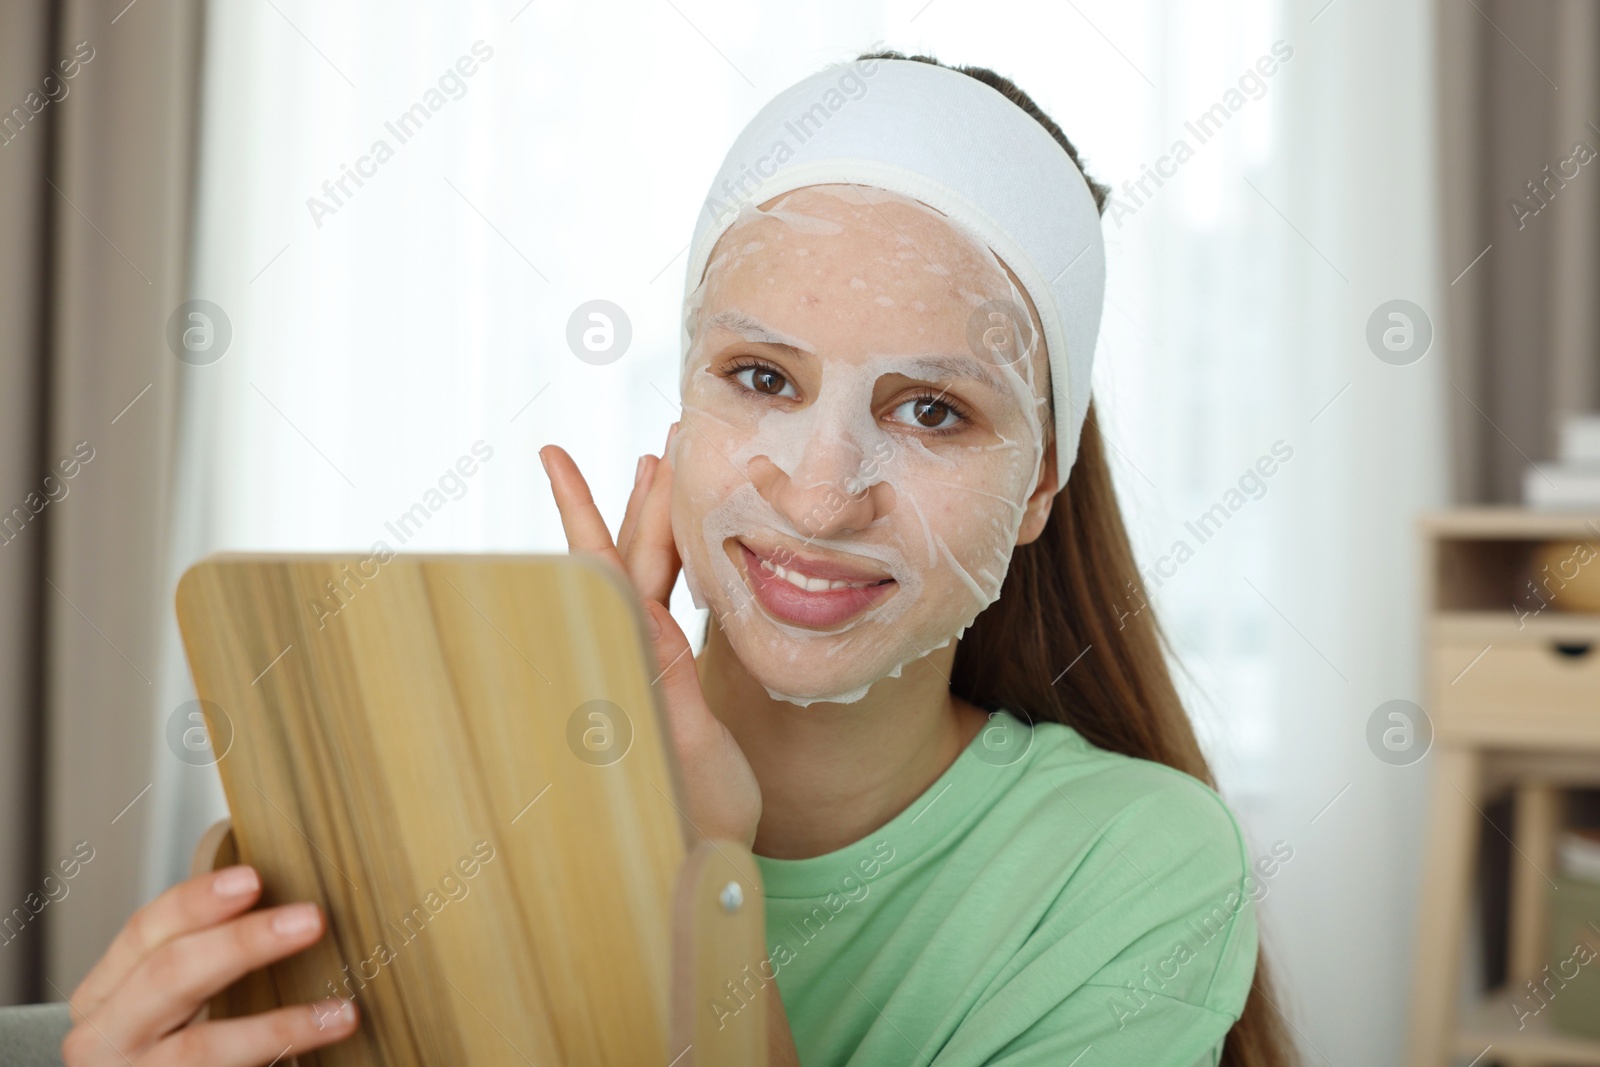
831	774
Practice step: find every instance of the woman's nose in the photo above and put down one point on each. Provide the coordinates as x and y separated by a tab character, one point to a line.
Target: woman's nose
826	495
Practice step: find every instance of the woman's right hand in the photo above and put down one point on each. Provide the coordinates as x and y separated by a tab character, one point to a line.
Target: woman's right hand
137	1006
723	794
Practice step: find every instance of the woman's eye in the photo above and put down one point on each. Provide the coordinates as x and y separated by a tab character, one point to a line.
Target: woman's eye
928	412
766	381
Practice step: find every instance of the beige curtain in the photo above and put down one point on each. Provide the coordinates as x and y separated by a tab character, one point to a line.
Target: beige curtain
24	40
1518	92
95	194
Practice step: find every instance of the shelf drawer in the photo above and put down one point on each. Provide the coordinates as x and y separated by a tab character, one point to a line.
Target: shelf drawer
1524	690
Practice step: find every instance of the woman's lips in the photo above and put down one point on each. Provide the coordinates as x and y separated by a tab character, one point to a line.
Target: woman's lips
820	608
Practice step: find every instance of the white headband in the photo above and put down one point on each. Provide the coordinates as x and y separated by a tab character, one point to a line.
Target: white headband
957	145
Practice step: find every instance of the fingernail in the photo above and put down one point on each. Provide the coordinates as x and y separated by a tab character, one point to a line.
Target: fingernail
235	882
650	624
672	432
544	462
638	471
334	1011
294	920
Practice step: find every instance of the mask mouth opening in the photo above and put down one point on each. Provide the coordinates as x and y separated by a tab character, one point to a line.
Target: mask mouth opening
809	590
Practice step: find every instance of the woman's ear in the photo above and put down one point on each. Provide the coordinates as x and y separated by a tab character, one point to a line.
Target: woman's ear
1036	511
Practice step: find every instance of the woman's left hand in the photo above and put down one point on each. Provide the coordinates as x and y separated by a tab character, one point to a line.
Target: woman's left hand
724	799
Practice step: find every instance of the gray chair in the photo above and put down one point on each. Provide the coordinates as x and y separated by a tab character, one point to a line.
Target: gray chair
30	1035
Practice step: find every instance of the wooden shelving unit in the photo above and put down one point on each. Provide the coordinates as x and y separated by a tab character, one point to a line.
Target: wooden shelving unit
1485	1031
1514	697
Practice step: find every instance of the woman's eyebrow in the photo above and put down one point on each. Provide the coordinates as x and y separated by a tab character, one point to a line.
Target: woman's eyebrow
933	367
752	329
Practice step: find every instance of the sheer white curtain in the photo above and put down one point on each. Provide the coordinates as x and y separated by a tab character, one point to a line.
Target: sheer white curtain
1236	334
382	330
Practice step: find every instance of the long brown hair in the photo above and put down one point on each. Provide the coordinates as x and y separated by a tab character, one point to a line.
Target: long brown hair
1075	597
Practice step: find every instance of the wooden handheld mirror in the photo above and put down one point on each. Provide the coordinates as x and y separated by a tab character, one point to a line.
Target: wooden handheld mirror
462	759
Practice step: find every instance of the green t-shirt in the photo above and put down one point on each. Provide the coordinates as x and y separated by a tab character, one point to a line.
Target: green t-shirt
1043	897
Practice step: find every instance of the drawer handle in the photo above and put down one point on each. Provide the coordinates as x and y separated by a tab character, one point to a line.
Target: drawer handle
1573	649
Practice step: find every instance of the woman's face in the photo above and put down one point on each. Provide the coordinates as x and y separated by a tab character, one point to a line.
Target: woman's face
862	437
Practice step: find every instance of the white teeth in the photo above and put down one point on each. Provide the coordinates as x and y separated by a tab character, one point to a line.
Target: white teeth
806	582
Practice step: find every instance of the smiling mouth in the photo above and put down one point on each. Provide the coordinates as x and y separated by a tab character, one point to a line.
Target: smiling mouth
811	591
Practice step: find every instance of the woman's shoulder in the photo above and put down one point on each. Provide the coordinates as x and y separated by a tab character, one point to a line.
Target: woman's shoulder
1156	862
1132	801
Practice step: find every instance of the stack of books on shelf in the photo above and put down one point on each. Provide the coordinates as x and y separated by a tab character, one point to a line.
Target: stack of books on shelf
1580	855
1573	481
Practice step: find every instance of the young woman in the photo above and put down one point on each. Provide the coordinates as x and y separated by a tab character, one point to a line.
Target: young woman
930	699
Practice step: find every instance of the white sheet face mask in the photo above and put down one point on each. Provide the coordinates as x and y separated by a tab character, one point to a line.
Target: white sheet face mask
864	399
